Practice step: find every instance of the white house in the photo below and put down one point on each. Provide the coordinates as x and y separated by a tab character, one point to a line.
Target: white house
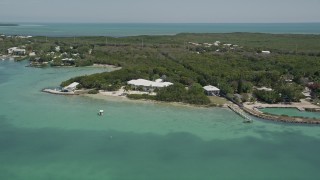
211	90
217	43
67	59
265	52
70	88
57	48
264	89
16	51
227	45
149	85
207	44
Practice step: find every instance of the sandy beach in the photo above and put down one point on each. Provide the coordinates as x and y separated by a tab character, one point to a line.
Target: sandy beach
120	97
110	95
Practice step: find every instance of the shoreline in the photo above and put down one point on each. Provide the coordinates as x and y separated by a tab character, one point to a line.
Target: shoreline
7	57
105	66
253	109
301	106
283	119
250	109
114	96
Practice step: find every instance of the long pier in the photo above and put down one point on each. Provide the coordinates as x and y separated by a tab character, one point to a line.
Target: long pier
241	113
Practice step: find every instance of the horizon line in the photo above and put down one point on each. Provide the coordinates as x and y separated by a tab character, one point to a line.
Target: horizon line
311	22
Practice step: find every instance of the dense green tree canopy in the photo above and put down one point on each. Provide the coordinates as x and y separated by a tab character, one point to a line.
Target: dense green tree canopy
188	60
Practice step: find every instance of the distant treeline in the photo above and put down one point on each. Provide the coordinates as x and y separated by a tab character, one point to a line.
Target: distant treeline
7	24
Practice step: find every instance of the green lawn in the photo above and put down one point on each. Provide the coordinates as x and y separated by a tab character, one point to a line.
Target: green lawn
218	100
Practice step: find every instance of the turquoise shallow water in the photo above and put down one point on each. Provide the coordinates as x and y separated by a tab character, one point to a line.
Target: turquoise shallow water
44	136
291	112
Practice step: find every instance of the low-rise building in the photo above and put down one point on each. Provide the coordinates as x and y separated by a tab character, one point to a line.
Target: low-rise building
57	48
70	88
217	43
264	89
211	90
148	85
16	51
265	52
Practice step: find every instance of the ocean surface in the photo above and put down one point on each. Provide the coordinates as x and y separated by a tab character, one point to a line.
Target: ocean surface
44	136
133	29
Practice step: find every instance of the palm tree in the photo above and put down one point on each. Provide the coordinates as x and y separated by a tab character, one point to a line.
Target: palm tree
126	88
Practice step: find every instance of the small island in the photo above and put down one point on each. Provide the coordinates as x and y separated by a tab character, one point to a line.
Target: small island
247	69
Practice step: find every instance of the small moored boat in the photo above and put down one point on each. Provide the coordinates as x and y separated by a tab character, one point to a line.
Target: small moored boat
100	113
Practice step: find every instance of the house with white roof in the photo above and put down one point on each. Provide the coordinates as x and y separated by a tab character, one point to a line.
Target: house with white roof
264	89
70	88
211	90
149	85
265	52
67	59
16	51
217	43
57	48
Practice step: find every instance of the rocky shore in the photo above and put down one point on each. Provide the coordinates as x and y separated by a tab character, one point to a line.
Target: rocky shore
303	105
285	119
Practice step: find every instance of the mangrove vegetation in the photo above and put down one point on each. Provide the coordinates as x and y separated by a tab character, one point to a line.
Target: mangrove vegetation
237	63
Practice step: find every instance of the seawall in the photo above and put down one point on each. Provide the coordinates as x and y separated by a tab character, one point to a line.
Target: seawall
285	119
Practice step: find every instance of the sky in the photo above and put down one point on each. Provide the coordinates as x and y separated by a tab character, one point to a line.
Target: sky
160	11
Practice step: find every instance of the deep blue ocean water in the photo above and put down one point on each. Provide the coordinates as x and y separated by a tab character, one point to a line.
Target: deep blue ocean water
133	29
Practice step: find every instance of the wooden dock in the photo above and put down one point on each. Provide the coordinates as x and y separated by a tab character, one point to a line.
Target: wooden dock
241	113
300	108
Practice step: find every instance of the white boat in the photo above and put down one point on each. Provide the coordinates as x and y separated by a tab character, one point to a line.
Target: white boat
100	113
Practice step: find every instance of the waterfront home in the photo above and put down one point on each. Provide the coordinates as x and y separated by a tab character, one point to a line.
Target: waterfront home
16	51
147	85
68	61
70	88
211	90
